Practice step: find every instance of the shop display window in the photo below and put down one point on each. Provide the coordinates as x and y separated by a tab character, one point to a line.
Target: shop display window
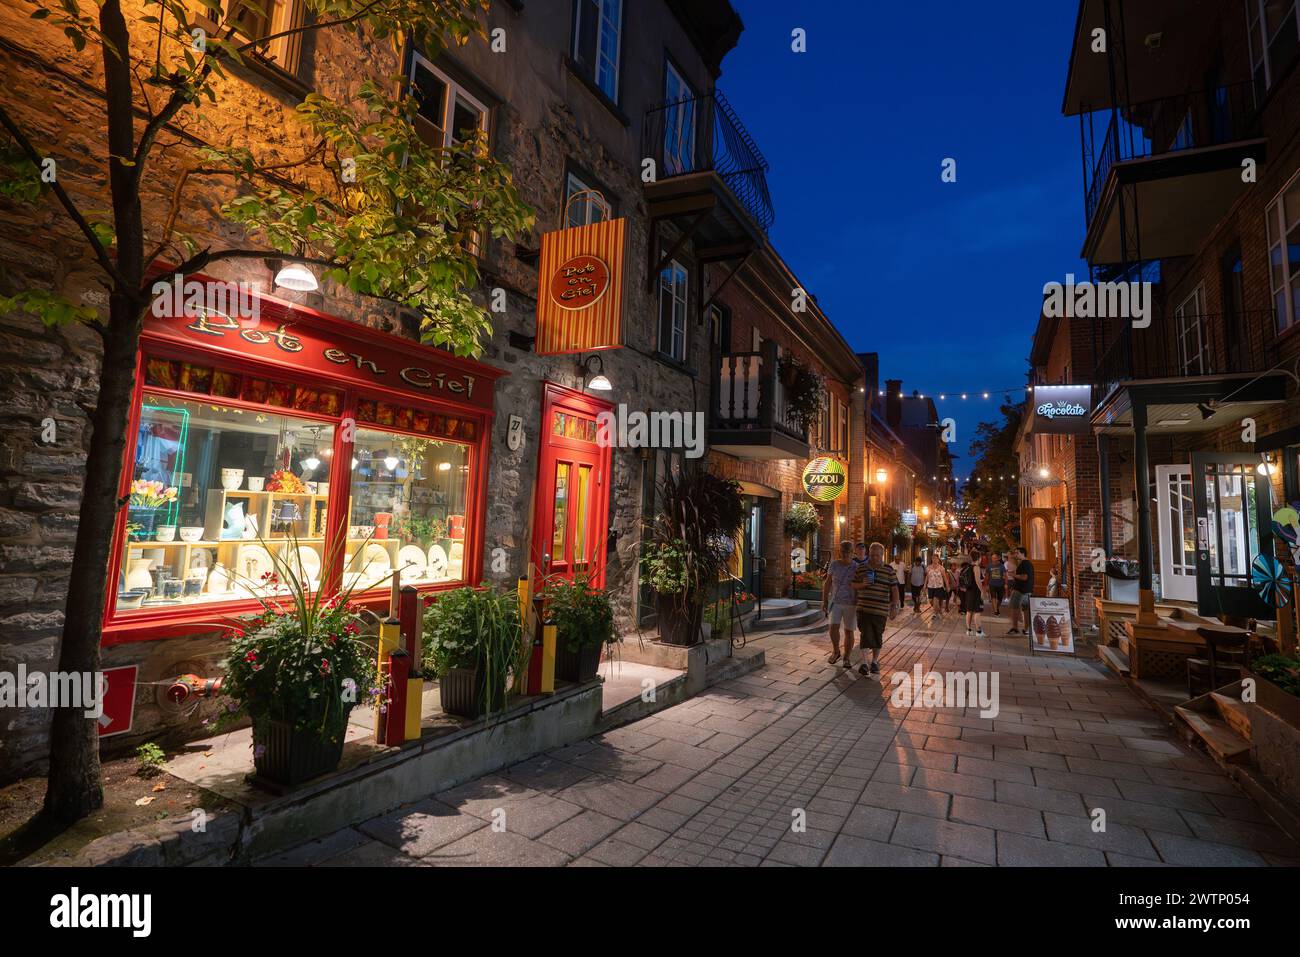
215	491
408	506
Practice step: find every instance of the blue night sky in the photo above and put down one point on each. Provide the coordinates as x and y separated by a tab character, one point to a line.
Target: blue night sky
944	280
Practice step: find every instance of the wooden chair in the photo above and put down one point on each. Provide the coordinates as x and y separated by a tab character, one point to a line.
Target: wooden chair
1227	657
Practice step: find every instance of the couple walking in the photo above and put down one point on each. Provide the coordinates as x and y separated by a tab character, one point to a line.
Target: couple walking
966	583
861	595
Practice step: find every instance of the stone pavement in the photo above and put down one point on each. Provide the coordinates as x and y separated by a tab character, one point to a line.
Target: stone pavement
722	778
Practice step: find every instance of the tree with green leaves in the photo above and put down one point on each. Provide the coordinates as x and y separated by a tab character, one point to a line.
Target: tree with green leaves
992	500
376	209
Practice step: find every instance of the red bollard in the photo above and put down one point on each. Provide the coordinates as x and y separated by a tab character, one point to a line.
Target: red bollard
399	670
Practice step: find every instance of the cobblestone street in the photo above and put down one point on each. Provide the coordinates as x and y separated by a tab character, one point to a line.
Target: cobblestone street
720	779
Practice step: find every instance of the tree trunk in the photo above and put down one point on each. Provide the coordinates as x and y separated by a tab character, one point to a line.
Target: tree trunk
74	783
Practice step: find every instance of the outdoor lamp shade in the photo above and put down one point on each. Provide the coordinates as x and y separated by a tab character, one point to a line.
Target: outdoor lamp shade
297	277
600	383
881	476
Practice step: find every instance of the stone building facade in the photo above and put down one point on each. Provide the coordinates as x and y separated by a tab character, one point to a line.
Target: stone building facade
557	113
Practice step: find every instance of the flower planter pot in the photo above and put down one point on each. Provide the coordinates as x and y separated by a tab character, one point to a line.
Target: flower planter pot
577	666
810	594
744	608
282	755
145	517
678	626
462	693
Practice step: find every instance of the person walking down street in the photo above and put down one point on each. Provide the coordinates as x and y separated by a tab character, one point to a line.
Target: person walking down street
874	584
970	583
900	580
918	582
936	585
997	579
840	601
860	553
1022	586
950	585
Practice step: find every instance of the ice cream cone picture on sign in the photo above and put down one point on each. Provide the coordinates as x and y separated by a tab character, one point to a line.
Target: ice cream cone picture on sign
1051	626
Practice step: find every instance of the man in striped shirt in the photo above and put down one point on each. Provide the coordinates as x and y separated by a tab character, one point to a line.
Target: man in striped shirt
874	584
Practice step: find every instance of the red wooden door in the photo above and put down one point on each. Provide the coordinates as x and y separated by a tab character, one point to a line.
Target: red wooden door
571	515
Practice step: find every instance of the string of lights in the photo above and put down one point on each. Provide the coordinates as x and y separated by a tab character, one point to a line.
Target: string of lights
975	394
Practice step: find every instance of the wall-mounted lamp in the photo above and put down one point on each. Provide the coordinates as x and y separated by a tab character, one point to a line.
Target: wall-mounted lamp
294	276
1266	465
881	476
599	381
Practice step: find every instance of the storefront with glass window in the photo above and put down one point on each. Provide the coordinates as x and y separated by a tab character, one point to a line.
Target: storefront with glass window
351	455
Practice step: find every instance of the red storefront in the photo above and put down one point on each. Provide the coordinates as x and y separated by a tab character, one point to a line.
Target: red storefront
349	452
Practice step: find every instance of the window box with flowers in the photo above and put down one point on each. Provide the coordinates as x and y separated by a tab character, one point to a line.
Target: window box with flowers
808	585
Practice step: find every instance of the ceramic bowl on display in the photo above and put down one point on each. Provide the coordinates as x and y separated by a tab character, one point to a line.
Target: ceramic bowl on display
191	533
256	483
132	598
231	479
165	533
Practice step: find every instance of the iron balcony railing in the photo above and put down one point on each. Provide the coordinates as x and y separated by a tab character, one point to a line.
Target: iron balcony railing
1190	346
748	394
702	133
1223	114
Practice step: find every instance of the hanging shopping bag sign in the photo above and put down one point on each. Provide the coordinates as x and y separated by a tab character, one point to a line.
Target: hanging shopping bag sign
580	289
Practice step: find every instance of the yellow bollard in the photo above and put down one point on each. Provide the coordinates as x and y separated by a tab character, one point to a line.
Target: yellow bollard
414	696
390	639
548	658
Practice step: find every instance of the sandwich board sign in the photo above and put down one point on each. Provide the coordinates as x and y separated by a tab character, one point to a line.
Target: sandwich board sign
1050	629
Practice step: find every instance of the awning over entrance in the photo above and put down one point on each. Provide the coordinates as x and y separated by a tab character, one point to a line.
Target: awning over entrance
1201	404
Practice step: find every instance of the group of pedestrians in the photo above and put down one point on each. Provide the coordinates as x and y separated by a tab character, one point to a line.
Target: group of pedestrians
862	593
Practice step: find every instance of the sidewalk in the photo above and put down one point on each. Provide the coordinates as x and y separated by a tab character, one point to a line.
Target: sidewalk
719	779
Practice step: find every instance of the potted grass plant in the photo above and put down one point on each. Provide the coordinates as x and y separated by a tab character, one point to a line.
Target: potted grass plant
584	620
473	647
685	548
296	670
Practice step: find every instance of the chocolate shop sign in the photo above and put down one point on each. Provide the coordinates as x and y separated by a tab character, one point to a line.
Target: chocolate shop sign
1061	409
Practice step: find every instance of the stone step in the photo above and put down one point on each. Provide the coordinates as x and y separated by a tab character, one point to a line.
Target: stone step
1234	713
767	625
733	667
783	607
1224	743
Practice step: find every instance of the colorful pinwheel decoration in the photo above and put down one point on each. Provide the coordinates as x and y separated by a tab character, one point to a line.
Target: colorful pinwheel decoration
1271	581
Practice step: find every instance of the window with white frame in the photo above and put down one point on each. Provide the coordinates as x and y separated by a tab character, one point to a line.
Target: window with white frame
1194	357
449	113
679	123
672	310
597	41
1273	30
1283	231
267	18
589	207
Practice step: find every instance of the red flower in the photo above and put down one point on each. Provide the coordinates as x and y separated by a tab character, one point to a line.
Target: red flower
324	666
251	656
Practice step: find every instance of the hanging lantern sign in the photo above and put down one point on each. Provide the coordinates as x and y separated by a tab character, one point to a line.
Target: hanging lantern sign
580	289
825	479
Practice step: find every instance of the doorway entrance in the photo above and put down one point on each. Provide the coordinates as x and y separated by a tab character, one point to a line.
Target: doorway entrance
1041	541
1176	526
571	509
1234	508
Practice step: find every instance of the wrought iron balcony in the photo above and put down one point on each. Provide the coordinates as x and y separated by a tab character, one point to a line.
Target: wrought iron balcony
702	134
1165	127
1192	347
750	414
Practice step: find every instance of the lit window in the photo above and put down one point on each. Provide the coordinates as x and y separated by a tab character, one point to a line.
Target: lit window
216	493
672	311
407	511
597	35
267	18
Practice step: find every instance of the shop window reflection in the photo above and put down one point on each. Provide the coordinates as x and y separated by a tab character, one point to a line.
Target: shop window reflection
407	510
215	491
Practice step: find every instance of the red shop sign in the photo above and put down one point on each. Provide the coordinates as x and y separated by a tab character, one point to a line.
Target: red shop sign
310	341
579	282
